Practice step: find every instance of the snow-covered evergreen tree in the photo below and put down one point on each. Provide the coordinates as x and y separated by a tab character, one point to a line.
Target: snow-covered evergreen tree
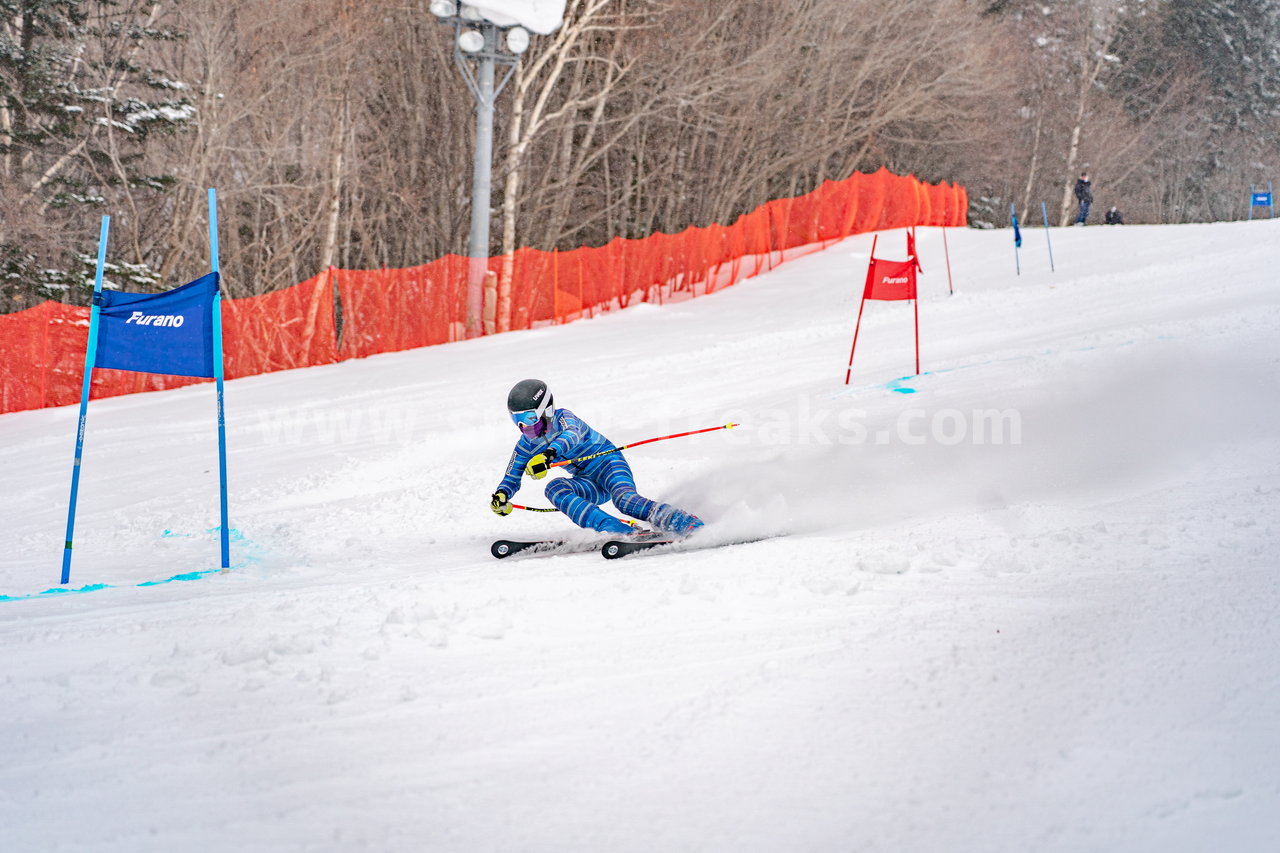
1236	45
1232	48
78	104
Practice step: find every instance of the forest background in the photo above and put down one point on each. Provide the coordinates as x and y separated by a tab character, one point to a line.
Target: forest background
339	132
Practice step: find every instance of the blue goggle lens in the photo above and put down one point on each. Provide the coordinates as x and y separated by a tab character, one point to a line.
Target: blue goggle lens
528	418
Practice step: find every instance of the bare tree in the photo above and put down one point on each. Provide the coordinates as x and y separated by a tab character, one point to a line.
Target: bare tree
536	82
338	133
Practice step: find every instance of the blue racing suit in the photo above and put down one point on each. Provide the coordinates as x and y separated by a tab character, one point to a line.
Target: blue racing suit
593	482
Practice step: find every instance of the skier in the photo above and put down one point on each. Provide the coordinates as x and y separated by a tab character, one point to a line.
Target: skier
1084	194
548	434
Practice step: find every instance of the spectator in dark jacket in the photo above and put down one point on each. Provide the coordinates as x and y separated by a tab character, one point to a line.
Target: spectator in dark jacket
1113	217
1084	193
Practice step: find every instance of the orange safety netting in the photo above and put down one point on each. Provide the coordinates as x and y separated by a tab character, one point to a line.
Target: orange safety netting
281	330
42	348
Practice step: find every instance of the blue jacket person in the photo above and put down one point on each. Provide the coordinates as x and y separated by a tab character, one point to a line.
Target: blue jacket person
548	434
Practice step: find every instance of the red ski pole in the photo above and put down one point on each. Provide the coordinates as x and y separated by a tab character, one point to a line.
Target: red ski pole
637	444
615	450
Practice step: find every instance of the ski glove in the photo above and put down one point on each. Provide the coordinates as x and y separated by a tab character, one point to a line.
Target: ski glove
539	465
500	504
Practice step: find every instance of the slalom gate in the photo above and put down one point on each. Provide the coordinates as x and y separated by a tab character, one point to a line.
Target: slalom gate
174	333
889	281
42	348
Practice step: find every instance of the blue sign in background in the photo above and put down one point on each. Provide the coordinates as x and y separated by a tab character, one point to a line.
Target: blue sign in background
170	332
1262	199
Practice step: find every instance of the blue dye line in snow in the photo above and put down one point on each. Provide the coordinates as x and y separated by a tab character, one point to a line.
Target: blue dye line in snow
233	534
899	386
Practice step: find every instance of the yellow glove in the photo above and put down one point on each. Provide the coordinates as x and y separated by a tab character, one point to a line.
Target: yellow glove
539	465
500	504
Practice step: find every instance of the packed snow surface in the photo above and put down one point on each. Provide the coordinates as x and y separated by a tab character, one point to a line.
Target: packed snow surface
1027	600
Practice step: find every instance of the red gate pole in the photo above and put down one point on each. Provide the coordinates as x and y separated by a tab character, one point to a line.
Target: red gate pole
849	370
916	304
871	265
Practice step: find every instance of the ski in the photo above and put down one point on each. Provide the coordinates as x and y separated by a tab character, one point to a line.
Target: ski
616	548
504	548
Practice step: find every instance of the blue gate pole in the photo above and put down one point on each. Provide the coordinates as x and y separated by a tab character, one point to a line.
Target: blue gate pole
218	378
89	355
1044	214
1013	216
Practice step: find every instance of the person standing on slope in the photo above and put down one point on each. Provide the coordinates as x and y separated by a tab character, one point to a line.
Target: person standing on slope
1084	194
548	434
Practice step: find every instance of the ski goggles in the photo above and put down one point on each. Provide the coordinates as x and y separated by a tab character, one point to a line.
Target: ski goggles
526	419
531	423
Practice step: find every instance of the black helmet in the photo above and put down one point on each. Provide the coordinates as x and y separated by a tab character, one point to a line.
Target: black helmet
531	406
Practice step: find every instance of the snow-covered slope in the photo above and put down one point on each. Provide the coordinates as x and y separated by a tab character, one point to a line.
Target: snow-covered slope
1025	601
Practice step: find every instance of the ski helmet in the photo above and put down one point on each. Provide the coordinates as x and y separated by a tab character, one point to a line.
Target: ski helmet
531	406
